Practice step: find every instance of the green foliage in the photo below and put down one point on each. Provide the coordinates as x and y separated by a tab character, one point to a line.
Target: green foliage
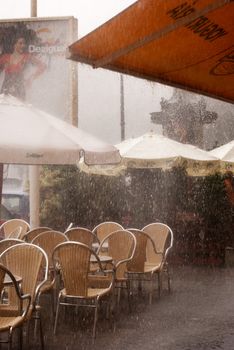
68	195
213	206
197	209
212	202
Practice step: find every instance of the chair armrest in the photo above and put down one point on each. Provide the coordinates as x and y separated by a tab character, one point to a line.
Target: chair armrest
25	297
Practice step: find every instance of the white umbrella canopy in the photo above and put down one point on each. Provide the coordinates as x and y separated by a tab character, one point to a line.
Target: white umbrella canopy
156	151
33	137
226	155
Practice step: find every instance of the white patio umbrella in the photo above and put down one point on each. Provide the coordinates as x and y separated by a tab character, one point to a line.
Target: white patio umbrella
226	155
156	151
33	137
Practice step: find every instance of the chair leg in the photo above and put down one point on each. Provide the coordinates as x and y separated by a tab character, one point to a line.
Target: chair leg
95	319
27	333
113	309
56	315
159	284
41	333
168	279
119	295
52	294
109	308
151	290
129	296
139	286
10	339
35	327
37	318
20	330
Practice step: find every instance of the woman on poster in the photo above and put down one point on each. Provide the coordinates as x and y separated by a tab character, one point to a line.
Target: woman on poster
14	66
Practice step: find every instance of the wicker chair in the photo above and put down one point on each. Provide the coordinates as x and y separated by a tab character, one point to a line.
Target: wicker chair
16	233
27	261
30	235
73	258
9	227
136	264
102	230
137	269
121	247
48	240
85	236
9	322
8	242
82	235
156	256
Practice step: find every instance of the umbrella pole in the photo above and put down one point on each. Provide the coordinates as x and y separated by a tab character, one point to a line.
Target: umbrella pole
34	194
33	8
34	170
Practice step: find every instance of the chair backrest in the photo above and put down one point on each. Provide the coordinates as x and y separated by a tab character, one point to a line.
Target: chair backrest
30	235
8	242
48	240
137	263
16	233
16	290
162	236
2	277
26	260
9	226
74	261
103	229
121	247
82	235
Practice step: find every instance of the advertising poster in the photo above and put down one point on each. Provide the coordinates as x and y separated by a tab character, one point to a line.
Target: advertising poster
33	64
34	68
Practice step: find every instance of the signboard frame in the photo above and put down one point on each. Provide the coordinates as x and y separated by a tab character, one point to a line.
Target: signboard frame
52	46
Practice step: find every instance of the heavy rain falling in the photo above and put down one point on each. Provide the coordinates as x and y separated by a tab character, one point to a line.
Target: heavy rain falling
120	211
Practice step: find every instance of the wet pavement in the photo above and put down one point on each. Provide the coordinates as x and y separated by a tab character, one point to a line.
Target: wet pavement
198	314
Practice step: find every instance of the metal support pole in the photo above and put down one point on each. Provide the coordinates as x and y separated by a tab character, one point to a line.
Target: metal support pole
122	116
34	170
33	8
1	183
34	195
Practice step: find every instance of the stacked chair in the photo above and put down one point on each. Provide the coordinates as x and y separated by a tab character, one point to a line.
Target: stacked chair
48	240
103	229
81	235
154	242
31	234
9	321
162	236
14	228
73	259
71	266
30	263
121	247
8	242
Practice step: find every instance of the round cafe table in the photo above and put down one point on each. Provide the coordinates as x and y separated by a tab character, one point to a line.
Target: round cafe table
103	258
96	245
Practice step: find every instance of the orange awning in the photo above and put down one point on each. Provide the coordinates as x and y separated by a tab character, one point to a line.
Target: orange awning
186	44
